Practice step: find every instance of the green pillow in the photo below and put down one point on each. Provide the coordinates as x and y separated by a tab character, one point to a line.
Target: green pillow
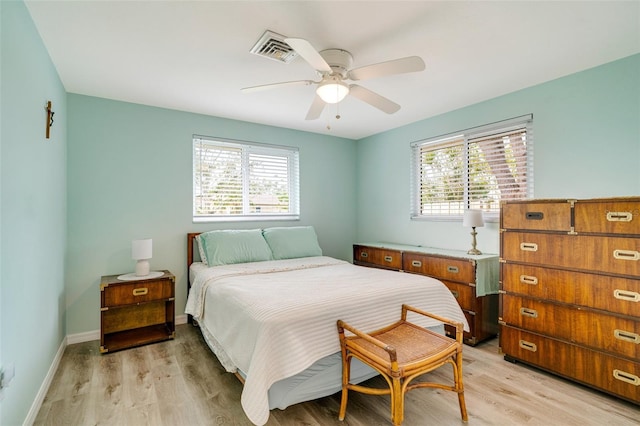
292	242
226	247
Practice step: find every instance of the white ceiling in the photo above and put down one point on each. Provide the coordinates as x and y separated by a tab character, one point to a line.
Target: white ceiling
194	55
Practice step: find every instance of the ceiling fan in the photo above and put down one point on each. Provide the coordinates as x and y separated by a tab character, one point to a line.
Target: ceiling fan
334	69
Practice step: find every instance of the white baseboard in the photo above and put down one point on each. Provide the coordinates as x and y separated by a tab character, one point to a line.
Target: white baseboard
44	388
69	340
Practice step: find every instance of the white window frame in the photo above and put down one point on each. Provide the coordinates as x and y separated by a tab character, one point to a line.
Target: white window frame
466	140
247	151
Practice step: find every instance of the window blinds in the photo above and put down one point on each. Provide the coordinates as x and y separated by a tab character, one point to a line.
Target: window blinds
476	168
236	180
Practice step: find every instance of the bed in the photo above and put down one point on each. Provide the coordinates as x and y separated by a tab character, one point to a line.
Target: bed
267	302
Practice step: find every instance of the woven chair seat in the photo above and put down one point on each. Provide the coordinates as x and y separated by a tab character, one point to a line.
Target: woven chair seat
401	352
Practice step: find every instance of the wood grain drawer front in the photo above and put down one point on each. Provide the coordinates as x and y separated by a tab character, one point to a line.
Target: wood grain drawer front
132	317
608	217
538	350
464	294
550	216
608	293
444	268
606	372
378	256
537	316
138	292
538	282
610	373
617	255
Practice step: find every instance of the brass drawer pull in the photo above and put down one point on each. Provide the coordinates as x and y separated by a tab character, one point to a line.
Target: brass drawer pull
626	336
453	269
528	247
619	216
140	291
626	254
455	293
626	377
528	279
364	254
528	346
630	296
416	263
388	259
526	312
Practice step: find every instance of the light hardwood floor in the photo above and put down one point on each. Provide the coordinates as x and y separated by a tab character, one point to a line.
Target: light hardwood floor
180	382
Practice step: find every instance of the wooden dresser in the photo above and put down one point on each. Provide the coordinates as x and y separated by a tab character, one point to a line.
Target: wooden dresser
570	290
473	280
136	312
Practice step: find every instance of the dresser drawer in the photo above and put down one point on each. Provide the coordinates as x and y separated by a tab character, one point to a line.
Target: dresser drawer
537	316
544	216
617	255
608	217
539	282
444	268
606	372
608	293
464	294
122	294
375	256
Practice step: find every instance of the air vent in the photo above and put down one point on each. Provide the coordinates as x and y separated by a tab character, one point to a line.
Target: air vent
272	45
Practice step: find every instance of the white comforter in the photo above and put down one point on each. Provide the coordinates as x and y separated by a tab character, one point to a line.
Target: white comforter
273	319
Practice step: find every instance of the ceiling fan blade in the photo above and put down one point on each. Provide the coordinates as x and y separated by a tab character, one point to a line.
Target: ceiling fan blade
373	99
396	66
308	53
276	85
316	108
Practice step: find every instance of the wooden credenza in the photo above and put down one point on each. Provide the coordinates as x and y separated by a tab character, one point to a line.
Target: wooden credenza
473	280
570	290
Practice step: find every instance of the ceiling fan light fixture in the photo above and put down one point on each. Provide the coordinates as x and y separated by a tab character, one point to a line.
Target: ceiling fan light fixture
333	91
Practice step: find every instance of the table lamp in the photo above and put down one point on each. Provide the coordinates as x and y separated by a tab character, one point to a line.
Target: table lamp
473	218
141	250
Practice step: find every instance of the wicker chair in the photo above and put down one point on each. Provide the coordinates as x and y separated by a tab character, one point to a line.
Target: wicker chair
401	352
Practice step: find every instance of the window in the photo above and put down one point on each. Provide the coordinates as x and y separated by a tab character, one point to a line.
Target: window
475	168
235	180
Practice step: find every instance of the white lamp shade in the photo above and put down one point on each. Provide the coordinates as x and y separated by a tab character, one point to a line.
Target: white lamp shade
141	249
472	218
332	93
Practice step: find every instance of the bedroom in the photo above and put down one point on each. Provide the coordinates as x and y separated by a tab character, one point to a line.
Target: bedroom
83	204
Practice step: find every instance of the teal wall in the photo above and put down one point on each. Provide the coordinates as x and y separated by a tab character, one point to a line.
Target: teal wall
586	130
33	211
130	177
70	205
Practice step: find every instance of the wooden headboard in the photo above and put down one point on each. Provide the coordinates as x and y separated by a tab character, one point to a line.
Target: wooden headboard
191	236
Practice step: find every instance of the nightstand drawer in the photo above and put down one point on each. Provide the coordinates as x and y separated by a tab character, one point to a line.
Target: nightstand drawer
137	292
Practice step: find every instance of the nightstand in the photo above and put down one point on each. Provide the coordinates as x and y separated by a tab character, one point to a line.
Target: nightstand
136	312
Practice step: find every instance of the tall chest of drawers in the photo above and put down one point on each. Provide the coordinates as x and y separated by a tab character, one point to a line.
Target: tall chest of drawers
472	279
570	290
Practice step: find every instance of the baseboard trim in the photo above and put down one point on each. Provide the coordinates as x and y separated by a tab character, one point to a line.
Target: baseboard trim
69	340
44	388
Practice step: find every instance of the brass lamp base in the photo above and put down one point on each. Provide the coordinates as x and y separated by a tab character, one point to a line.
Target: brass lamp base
474	250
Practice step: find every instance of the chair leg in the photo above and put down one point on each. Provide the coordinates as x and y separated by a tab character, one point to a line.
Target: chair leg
346	367
397	402
457	374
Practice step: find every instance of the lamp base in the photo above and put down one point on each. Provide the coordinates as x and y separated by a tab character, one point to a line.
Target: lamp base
474	251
